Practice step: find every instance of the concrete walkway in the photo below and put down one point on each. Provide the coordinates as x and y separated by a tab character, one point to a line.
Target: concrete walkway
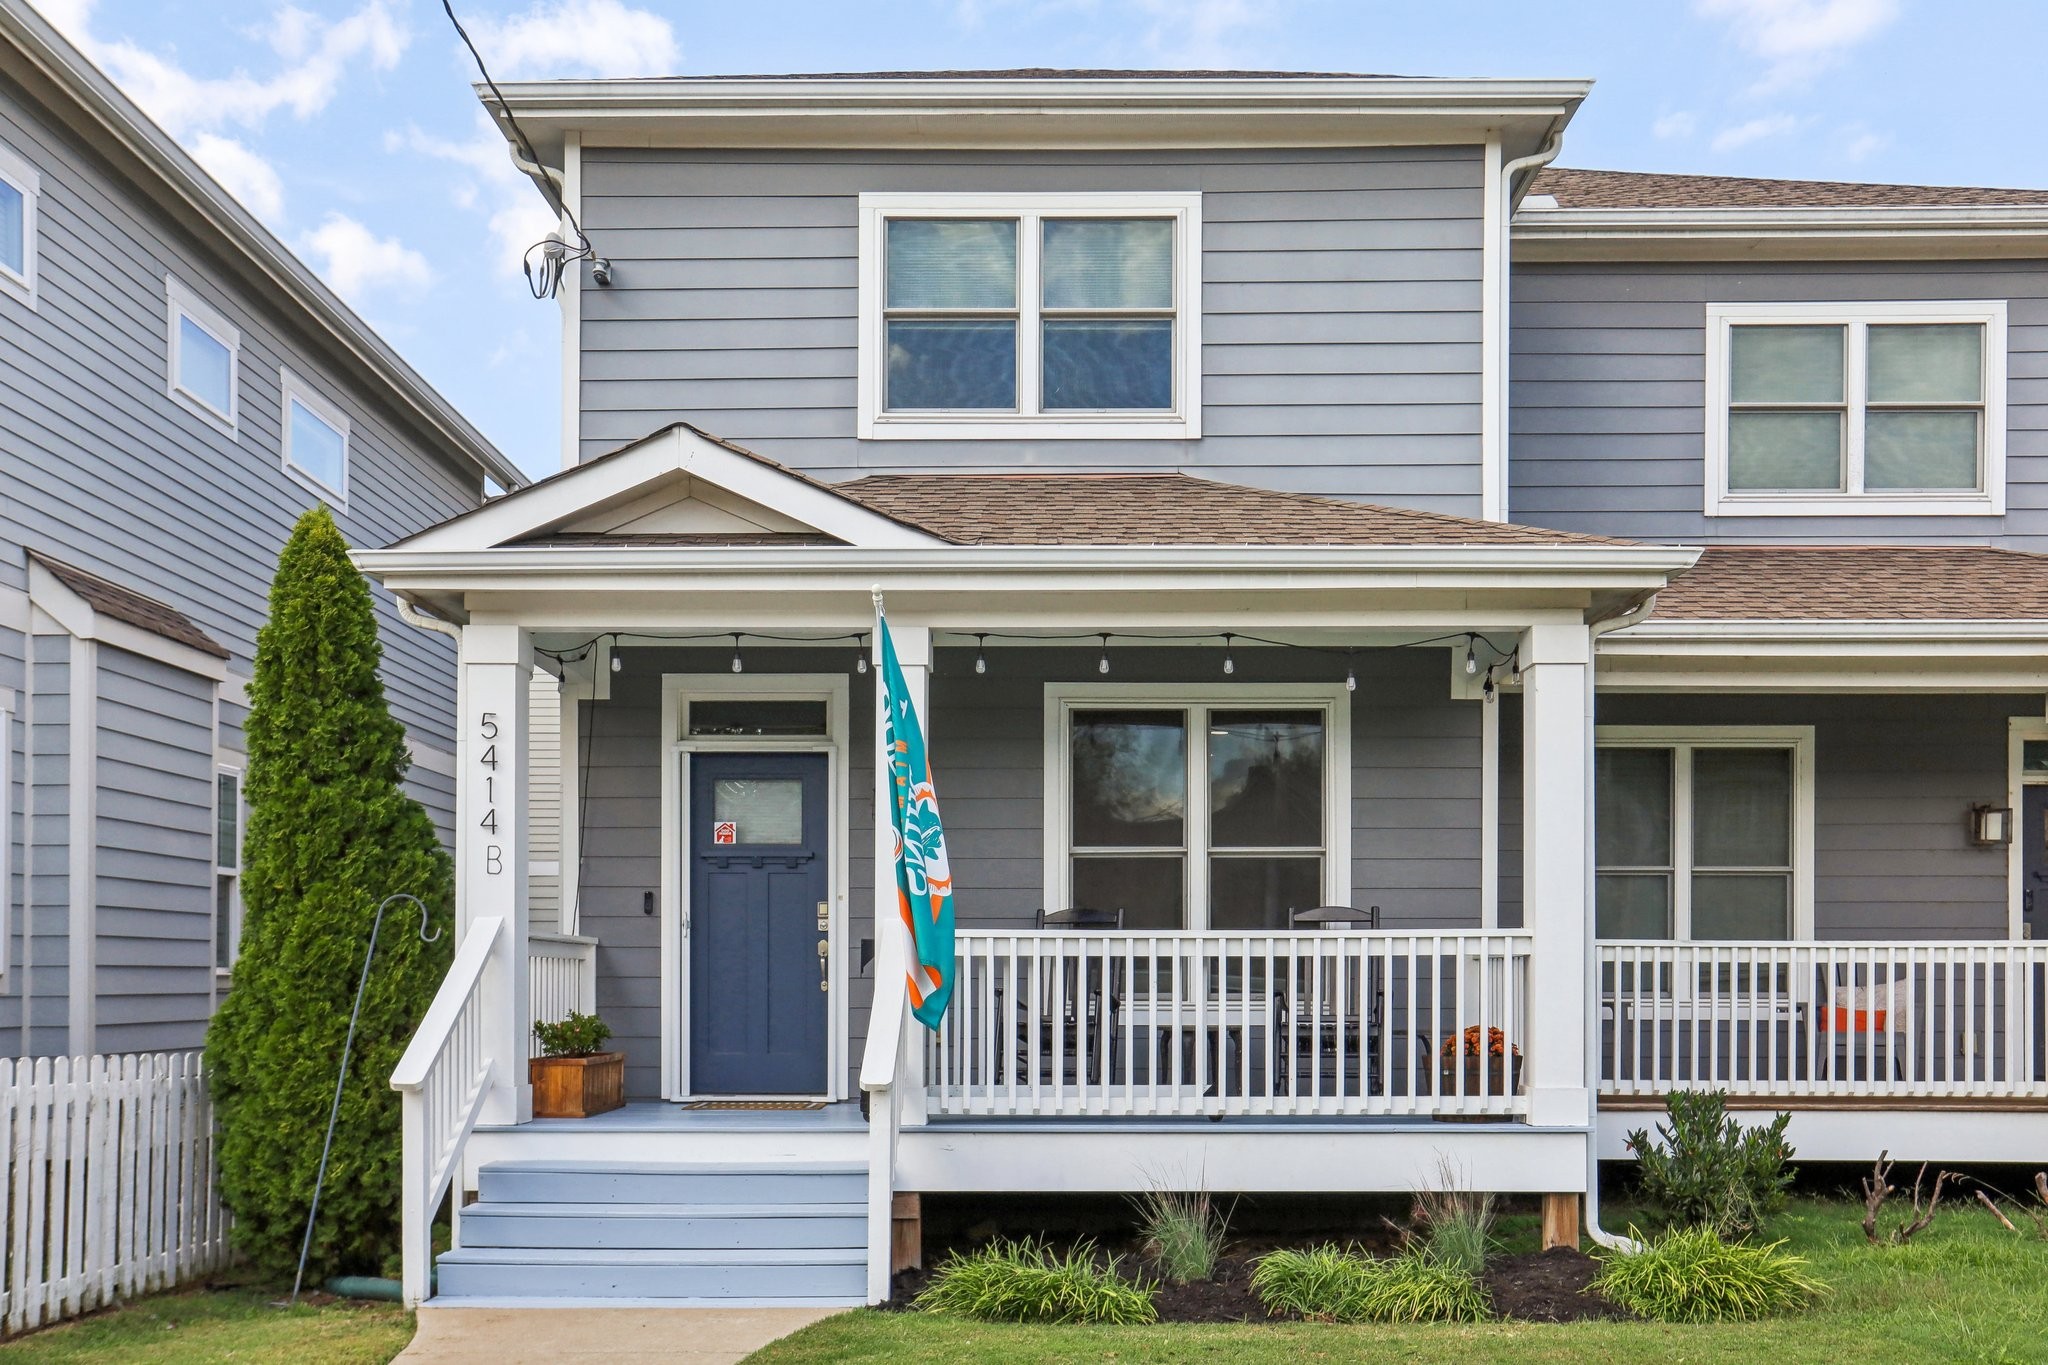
691	1336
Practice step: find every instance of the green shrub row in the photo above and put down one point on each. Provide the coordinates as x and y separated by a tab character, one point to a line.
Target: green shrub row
1026	1281
1334	1285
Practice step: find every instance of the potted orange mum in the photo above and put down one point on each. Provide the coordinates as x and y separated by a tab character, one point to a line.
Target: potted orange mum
1491	1065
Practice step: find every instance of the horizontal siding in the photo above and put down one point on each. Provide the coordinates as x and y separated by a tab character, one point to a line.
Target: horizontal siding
1608	371
153	967
100	467
1340	303
1415	800
544	815
1893	778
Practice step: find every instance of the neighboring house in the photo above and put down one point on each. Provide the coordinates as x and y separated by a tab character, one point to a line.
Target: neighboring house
1290	503
175	389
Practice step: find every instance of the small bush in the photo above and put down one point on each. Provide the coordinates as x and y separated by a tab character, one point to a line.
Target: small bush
577	1035
1707	1169
1334	1285
1026	1281
1691	1275
1457	1224
1183	1232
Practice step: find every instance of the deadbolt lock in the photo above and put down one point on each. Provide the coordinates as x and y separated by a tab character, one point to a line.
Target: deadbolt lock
824	917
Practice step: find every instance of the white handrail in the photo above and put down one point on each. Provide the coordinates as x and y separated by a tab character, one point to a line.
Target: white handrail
442	1080
1929	1018
1246	1023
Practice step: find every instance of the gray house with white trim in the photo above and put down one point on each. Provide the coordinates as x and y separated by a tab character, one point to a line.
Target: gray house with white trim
1402	634
175	389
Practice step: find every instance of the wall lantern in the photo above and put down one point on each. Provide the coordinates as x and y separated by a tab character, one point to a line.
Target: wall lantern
1990	826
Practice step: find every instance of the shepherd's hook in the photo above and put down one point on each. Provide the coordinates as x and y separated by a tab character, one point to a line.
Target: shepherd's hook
334	1112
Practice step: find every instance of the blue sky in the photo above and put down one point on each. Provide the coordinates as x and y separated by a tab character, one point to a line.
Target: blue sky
349	126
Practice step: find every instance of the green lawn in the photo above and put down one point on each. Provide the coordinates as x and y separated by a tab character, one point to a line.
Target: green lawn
1965	1290
234	1324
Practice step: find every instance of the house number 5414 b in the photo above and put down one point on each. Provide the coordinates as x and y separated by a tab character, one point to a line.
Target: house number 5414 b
487	730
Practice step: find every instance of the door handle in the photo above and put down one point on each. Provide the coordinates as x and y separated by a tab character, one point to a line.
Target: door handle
824	971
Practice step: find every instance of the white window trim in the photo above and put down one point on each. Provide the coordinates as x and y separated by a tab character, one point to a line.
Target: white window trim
1183	422
1685	739
298	390
1989	501
182	302
16	171
1063	699
234	873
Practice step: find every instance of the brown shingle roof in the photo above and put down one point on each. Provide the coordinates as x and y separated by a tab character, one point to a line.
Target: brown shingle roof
1164	509
1859	583
1576	189
125	604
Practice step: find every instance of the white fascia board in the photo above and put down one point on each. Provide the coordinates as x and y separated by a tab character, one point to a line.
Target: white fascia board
76	617
1664	636
1565	233
677	450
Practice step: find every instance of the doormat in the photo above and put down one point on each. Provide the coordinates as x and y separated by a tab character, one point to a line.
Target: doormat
754	1104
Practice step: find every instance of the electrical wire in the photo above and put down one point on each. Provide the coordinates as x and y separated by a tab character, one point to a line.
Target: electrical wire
556	255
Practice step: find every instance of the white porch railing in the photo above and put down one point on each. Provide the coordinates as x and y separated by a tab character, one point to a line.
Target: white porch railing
1926	1019
442	1078
561	979
1329	1023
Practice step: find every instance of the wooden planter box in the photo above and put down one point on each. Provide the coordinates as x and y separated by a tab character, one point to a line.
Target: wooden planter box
577	1087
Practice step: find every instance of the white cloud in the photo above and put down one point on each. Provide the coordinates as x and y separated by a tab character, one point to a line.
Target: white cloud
1864	144
1798	39
317	56
516	215
1755	130
356	261
578	38
1203	33
242	173
1680	124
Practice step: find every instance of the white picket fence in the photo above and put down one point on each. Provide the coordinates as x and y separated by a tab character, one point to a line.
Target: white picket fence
110	1185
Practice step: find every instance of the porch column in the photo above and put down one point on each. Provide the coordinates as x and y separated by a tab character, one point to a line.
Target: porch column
914	653
1557	871
491	847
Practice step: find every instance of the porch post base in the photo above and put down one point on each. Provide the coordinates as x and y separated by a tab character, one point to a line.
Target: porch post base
906	1233
1560	1221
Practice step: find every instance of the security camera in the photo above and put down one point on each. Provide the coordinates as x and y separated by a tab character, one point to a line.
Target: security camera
601	272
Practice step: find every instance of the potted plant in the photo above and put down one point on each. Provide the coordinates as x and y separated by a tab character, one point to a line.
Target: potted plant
1491	1066
573	1077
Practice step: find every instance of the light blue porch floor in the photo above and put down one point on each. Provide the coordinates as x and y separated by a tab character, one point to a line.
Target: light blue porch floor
662	1116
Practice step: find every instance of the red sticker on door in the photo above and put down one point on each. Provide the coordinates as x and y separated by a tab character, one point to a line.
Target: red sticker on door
725	832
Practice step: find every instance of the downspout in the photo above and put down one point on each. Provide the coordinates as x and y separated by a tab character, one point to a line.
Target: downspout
1637	609
1553	142
413	616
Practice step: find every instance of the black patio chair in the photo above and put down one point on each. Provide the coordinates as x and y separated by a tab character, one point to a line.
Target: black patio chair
1310	1024
1091	1008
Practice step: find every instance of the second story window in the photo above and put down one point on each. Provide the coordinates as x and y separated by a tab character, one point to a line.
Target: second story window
315	438
1857	409
204	353
1029	315
20	188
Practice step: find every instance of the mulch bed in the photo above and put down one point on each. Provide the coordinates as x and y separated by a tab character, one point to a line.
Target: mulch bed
1546	1286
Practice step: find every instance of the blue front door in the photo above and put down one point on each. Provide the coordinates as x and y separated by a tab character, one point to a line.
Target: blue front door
758	857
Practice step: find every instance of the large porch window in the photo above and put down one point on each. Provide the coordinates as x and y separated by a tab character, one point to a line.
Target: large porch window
1704	834
1192	814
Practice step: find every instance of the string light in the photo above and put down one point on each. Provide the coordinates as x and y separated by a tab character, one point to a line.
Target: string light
860	654
1229	664
1102	664
1350	677
980	658
738	664
1471	659
618	662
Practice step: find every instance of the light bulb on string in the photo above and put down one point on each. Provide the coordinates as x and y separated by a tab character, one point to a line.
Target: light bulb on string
1471	658
618	663
860	653
1229	664
1102	664
738	664
980	656
1350	677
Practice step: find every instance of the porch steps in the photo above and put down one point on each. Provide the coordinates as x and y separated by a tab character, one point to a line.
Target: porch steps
661	1232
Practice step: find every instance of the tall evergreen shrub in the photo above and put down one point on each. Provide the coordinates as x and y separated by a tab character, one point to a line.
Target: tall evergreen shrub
330	834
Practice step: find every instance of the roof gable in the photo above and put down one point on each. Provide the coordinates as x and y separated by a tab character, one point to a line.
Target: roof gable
677	486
